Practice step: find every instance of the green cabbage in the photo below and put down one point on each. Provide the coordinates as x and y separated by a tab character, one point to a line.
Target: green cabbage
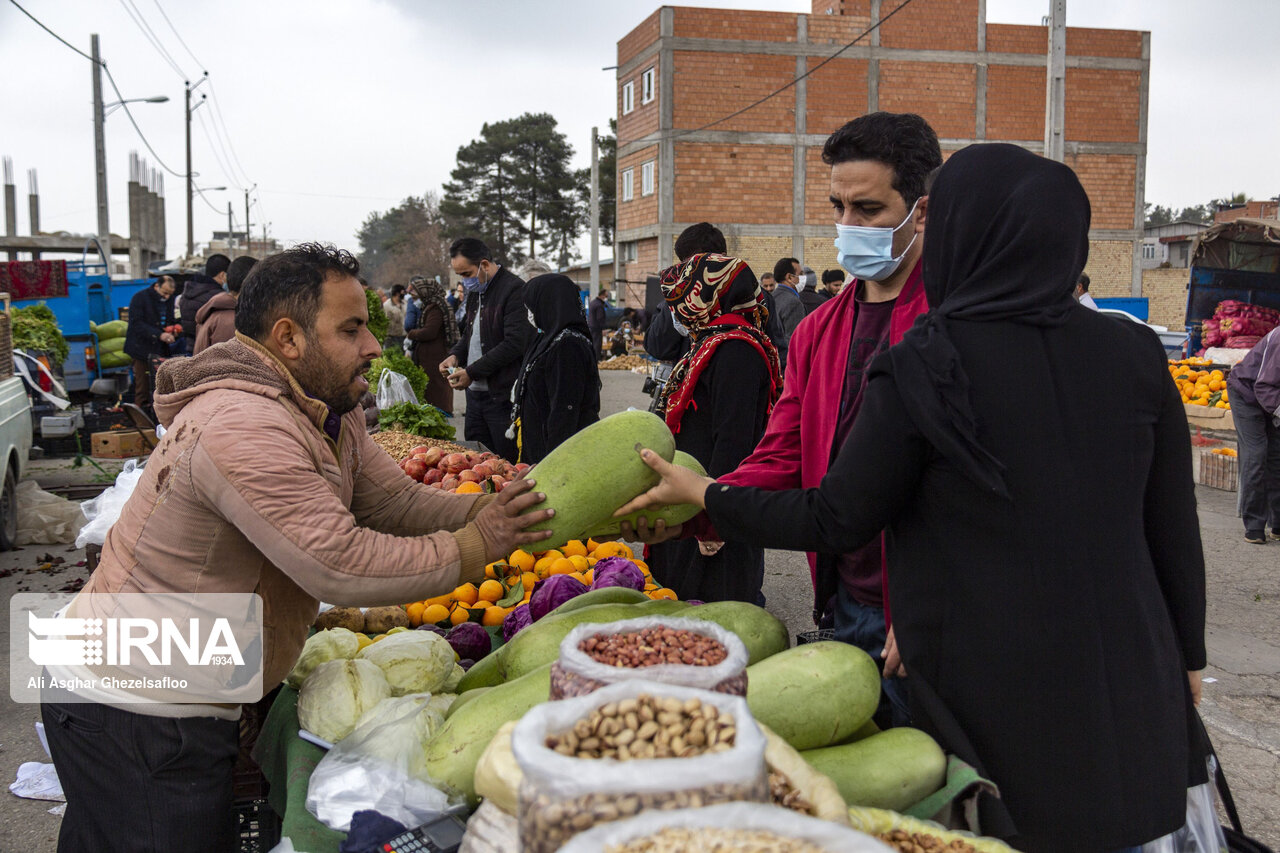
337	694
412	661
332	644
451	683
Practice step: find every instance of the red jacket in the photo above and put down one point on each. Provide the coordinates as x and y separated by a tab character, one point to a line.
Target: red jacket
796	448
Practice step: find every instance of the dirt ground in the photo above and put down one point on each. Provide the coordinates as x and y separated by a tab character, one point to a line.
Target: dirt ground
1241	704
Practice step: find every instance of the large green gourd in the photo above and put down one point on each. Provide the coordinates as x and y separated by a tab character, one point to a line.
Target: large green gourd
670	515
591	474
814	695
892	770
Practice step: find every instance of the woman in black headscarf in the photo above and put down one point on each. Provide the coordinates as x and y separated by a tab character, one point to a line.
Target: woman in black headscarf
1045	566
558	390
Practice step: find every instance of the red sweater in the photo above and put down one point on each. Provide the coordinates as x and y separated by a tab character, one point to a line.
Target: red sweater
796	448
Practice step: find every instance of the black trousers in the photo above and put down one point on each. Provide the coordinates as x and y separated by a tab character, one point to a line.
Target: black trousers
138	783
1259	489
487	421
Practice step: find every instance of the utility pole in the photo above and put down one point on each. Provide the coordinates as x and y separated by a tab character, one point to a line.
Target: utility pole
100	152
248	240
191	184
595	212
230	230
1056	88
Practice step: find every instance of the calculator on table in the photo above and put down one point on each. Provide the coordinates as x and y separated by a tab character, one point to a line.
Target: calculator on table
442	835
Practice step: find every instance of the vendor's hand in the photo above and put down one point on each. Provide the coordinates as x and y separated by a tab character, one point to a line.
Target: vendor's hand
451	361
1193	676
459	379
642	532
893	667
679	485
709	548
166	337
501	524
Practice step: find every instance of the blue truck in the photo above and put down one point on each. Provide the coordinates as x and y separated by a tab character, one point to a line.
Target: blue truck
1237	260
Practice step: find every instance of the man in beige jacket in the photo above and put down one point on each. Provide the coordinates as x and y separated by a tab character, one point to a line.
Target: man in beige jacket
266	481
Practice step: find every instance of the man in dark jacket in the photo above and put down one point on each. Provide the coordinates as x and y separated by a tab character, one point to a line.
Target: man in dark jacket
1254	388
790	309
200	289
150	311
596	320
495	331
810	296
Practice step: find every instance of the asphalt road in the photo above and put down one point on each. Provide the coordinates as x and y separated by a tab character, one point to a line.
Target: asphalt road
1241	705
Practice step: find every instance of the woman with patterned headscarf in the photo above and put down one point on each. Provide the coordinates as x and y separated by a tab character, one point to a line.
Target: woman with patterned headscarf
431	328
716	403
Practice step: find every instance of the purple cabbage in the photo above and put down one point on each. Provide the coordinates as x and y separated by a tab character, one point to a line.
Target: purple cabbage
550	593
427	626
515	622
617	571
466	664
693	602
469	640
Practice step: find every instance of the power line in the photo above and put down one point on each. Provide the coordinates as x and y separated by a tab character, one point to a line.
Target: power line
181	41
226	133
777	92
150	36
51	32
213	148
205	199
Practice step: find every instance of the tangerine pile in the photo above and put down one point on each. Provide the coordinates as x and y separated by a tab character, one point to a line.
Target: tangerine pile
1200	387
509	583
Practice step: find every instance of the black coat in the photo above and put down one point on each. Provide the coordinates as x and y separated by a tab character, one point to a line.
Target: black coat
148	315
198	290
504	332
720	428
810	298
560	397
1046	636
661	340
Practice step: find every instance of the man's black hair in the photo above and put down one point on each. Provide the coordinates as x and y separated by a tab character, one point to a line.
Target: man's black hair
785	267
700	239
832	276
290	285
902	141
397	289
1084	283
471	248
237	272
215	264
769	276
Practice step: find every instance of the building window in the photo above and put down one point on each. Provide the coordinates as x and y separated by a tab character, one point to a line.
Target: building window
627	252
646	87
646	178
628	97
628	183
1149	251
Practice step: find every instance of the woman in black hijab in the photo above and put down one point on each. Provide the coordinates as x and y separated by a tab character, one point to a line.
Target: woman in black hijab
1045	566
558	390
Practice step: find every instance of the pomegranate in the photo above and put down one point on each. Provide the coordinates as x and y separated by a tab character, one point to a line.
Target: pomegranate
416	468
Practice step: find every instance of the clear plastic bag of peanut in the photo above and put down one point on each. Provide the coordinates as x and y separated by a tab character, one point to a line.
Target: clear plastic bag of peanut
685	652
741	827
629	748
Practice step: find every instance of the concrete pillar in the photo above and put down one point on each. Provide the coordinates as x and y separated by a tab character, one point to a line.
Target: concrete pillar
667	148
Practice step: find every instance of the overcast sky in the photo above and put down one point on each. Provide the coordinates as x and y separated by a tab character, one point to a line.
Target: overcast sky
336	108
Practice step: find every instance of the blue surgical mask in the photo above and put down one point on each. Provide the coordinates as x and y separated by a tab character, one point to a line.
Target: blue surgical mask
679	327
868	252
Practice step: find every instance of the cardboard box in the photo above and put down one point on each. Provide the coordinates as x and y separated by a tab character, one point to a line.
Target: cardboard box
118	444
1218	471
1206	417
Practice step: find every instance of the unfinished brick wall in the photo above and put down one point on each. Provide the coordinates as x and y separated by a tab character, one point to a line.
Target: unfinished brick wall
760	253
710	86
643	118
642	209
1110	268
733	183
1109	180
1166	293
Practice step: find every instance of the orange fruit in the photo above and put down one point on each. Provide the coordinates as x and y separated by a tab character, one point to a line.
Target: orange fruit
578	576
491	591
650	586
528	579
468	489
466	594
415	613
434	613
574	548
641	565
588	576
592	545
591	561
459	615
552	553
663	592
496	570
493	616
447	600
580	564
561	566
521	559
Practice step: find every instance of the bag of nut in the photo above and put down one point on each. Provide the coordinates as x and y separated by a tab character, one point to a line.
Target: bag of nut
687	652
628	748
741	827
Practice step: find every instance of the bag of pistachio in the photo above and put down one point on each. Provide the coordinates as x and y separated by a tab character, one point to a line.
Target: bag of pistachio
628	748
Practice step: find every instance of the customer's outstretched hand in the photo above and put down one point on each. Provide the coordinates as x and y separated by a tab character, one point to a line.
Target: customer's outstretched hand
679	485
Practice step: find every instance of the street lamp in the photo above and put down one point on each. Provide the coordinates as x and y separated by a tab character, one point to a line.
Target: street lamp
107	109
188	89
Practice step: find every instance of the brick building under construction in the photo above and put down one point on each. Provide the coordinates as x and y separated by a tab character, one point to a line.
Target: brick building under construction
759	176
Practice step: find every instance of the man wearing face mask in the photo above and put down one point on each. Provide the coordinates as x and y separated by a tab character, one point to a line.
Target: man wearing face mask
880	167
486	359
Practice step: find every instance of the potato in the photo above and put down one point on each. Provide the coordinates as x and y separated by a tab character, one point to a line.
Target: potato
341	617
380	620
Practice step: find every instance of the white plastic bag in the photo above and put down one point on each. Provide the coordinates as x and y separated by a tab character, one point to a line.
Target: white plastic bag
379	766
561	795
394	388
103	511
1202	832
733	816
576	673
44	518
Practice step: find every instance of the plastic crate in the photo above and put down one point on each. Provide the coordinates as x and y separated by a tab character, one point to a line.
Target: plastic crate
259	826
1218	471
815	636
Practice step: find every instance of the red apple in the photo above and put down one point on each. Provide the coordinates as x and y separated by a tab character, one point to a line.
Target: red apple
416	469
